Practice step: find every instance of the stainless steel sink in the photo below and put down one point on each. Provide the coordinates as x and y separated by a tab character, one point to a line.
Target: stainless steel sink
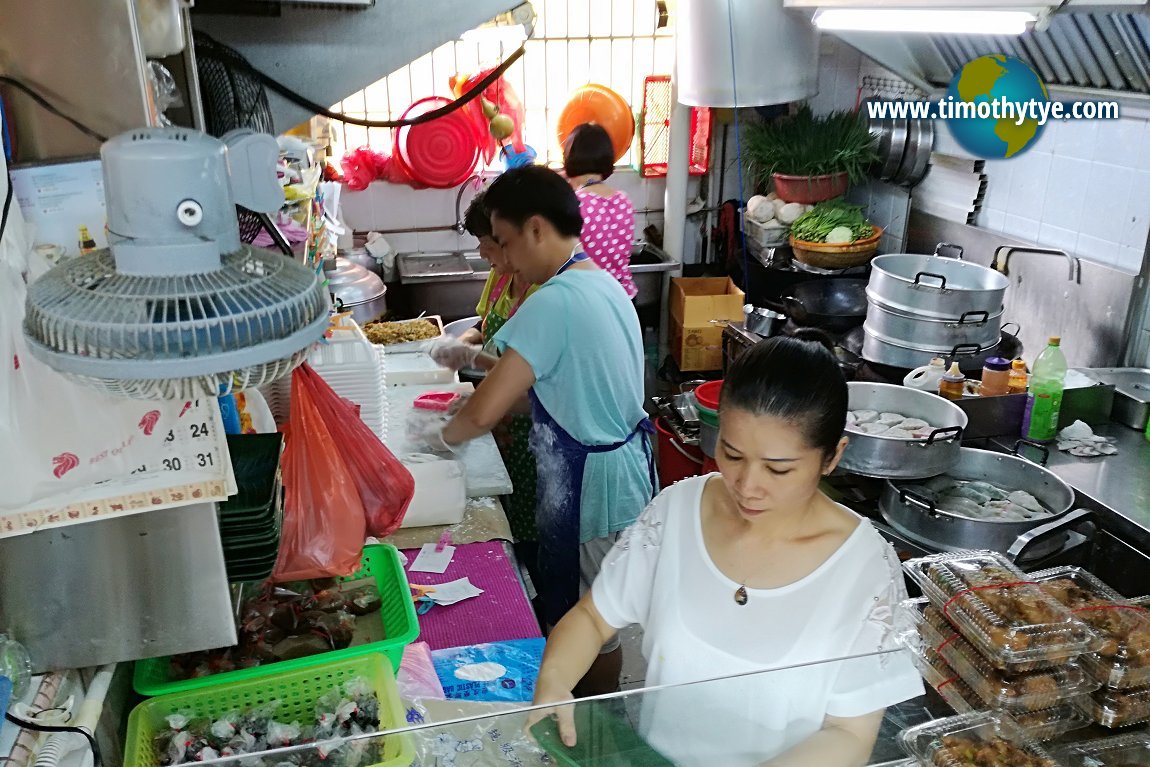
453	295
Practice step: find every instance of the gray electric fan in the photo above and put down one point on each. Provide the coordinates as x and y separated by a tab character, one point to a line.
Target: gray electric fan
178	307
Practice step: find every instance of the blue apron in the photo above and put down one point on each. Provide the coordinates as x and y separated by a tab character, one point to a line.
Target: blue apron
560	459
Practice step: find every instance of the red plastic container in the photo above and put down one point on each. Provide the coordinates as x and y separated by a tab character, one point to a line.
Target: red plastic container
810	189
676	460
708	394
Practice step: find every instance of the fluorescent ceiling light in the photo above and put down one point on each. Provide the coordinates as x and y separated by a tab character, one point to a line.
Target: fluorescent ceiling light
969	22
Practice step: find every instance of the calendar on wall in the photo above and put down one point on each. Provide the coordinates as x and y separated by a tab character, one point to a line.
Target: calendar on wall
191	464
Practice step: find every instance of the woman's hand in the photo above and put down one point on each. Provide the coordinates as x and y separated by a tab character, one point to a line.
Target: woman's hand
452	353
564	714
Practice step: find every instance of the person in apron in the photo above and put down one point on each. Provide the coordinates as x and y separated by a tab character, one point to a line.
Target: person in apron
572	356
767	609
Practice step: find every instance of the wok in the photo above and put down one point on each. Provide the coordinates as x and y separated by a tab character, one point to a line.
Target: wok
835	303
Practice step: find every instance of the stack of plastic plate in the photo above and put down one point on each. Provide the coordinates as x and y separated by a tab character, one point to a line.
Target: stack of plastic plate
250	520
350	365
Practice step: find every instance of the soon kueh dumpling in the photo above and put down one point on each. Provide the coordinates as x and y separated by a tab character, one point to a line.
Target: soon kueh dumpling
893	425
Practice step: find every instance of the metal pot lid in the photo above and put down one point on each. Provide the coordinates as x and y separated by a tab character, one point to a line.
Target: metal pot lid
925	147
972	317
351	283
894	149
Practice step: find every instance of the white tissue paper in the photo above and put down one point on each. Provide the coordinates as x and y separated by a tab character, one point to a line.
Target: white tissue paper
381	250
1079	439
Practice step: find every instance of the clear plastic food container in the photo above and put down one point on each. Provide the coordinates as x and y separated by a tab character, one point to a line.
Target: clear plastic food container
1030	691
1000	610
1043	725
1122	658
980	739
1119	751
1118	708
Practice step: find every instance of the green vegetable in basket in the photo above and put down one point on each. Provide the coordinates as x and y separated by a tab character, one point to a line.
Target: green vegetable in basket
833	221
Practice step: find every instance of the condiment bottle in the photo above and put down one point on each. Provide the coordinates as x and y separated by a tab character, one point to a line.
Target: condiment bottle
1019	379
927	377
1044	401
995	377
952	382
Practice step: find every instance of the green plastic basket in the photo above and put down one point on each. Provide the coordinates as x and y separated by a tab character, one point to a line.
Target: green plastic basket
380	562
297	692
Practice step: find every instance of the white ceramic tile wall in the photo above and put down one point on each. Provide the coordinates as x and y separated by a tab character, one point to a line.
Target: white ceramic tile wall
385	206
1084	186
838	76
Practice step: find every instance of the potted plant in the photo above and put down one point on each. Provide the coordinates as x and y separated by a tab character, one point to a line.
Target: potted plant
810	158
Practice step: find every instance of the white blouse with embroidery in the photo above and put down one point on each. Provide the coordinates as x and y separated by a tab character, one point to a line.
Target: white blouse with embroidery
660	576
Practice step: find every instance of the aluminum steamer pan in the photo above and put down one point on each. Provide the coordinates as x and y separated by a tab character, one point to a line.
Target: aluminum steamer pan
916	516
873	455
933	286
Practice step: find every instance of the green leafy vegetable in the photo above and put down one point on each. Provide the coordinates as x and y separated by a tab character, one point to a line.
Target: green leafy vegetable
817	223
808	145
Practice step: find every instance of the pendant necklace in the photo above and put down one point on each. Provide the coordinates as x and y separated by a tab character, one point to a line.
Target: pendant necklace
741	596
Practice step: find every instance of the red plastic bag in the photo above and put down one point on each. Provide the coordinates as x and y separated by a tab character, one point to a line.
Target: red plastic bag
384	484
324	519
341	484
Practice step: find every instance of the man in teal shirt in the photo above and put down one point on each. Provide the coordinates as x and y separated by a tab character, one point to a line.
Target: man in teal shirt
575	350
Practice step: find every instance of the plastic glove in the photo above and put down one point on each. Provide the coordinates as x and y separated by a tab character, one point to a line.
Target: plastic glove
425	432
451	353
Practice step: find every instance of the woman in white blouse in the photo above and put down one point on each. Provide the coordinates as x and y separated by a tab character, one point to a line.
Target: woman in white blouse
749	569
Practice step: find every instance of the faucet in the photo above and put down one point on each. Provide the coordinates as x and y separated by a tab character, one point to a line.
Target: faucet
459	227
1004	252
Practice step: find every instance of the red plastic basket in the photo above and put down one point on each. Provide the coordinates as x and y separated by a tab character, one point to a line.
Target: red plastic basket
654	133
441	153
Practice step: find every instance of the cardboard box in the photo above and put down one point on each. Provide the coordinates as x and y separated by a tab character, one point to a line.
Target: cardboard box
700	309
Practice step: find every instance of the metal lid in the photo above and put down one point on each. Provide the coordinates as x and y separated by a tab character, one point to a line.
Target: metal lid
351	283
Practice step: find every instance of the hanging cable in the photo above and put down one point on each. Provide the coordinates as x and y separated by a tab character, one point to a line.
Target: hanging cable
274	85
50	107
738	148
96	761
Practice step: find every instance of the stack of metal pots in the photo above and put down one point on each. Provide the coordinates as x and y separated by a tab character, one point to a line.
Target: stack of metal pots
905	462
920	307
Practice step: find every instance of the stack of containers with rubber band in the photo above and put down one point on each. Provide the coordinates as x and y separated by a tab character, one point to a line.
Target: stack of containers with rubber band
1055	649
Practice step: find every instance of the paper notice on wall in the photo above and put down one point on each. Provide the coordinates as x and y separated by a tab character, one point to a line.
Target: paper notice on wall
64	203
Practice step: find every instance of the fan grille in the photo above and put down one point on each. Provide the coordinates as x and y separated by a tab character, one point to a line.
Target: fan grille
243	325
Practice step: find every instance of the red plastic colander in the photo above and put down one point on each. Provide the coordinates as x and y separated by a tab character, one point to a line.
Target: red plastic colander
441	153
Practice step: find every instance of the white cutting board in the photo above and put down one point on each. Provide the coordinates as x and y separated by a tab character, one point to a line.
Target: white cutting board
486	473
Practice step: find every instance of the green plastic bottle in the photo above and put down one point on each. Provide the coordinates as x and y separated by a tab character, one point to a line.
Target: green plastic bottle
1044	401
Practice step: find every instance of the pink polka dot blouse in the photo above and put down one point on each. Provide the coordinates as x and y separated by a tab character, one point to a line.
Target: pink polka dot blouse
608	233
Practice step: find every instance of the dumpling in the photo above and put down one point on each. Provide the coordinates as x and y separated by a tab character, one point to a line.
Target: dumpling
851	417
1026	501
914	424
965	490
890	419
941	484
865	416
995	493
898	433
963	507
874	428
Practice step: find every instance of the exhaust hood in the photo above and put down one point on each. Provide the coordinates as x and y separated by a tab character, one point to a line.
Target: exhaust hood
1079	48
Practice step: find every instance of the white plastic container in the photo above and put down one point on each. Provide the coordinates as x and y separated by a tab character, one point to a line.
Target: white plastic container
440	491
161	27
927	377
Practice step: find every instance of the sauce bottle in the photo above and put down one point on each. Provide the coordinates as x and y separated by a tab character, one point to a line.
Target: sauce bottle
995	377
952	383
1018	380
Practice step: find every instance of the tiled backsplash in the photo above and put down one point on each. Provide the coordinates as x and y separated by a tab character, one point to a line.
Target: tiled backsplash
385	206
1083	187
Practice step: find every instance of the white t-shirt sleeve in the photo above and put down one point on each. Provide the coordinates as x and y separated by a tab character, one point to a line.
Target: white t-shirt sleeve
623	589
867	684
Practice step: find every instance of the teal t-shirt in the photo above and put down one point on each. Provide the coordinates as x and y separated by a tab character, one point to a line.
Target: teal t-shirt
582	339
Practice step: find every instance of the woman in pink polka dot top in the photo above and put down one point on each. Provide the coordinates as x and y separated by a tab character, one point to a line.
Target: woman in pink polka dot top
608	215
